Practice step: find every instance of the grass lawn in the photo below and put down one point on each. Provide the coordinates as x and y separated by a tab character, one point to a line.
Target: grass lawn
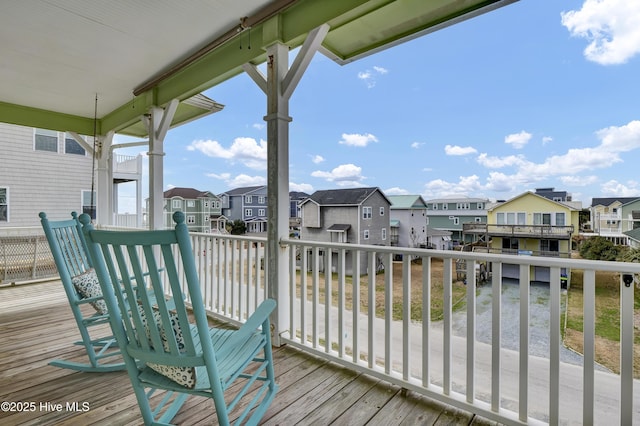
607	320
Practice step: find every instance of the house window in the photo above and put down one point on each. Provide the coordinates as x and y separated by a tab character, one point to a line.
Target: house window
560	219
366	212
549	245
248	212
206	204
456	221
71	146
463	206
89	203
384	233
191	219
542	218
248	199
216	204
434	206
261	212
445	206
510	243
557	199
366	234
191	203
480	206
176	204
500	218
478	220
46	140
4	204
381	211
262	200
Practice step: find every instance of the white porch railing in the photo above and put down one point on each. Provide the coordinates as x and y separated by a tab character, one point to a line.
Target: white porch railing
511	387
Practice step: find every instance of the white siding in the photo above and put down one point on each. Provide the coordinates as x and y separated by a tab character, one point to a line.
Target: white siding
38	180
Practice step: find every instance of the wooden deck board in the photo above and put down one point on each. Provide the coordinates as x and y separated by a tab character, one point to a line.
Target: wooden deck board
36	326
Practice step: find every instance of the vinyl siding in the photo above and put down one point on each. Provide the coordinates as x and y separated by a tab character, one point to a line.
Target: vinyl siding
40	181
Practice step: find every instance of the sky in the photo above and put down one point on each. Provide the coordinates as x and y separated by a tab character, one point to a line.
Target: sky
537	94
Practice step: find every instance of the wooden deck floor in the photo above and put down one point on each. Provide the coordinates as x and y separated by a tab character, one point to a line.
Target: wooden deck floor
36	326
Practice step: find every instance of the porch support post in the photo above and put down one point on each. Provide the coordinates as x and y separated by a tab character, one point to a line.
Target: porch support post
104	180
157	122
279	85
103	174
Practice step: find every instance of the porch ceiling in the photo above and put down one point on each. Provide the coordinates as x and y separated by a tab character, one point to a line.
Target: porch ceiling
58	55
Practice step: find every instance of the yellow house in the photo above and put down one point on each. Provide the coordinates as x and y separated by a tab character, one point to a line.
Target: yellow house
532	225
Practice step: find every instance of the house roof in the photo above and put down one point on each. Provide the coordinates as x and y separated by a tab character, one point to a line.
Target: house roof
244	190
607	201
339	227
457	200
187	193
573	205
343	197
58	55
297	195
634	234
405	202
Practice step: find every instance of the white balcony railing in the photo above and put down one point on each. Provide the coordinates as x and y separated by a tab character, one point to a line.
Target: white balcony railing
392	343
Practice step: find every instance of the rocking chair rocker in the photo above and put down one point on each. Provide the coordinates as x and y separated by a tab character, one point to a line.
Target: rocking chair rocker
162	350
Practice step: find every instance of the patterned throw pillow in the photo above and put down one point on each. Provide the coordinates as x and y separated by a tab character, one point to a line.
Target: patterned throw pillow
87	285
185	376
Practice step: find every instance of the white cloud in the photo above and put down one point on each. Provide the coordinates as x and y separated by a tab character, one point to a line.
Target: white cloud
343	175
459	150
546	140
240	180
396	191
612	28
518	140
617	189
355	139
465	185
317	159
244	150
500	162
259	126
370	77
416	145
301	187
574	180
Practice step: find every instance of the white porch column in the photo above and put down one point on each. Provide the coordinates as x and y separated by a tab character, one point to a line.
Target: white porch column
157	122
104	180
279	85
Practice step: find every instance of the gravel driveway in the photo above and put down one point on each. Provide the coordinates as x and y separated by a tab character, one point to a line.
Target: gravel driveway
539	320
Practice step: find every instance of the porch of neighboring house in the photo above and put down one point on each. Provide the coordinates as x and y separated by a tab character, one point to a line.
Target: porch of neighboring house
37	326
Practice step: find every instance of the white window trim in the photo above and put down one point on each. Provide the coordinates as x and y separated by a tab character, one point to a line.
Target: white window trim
367	212
248	212
176	204
7	203
365	234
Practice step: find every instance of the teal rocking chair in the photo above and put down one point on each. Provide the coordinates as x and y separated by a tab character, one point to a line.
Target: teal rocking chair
69	250
162	349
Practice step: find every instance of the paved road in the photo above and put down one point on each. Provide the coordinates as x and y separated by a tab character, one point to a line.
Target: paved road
607	385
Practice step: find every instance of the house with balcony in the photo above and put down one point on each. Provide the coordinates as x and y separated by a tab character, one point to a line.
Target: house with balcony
408	220
531	225
248	204
611	217
202	209
56	169
295	198
452	214
353	216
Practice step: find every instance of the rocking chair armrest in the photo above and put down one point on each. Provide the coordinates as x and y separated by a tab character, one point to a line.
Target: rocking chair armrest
248	329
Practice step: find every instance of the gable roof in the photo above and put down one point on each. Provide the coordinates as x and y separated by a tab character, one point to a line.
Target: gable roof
634	234
244	190
607	201
405	202
343	197
569	205
187	193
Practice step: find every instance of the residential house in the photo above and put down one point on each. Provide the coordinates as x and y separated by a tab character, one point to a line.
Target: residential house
532	225
439	239
553	195
50	171
613	216
354	215
295	198
248	204
202	209
408	215
452	214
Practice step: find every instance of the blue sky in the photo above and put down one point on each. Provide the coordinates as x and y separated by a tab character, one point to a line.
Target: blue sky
540	93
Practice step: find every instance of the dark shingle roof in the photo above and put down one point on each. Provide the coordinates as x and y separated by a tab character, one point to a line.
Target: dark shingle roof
187	193
610	200
244	190
351	196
